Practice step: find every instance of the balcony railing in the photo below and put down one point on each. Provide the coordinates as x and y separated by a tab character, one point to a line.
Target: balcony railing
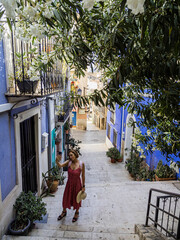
67	108
47	80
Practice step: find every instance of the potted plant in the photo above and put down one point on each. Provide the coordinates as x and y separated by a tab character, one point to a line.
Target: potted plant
66	127
121	158
164	172
52	178
28	208
27	74
61	117
57	141
114	154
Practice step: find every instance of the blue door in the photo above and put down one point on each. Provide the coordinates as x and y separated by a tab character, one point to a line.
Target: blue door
74	118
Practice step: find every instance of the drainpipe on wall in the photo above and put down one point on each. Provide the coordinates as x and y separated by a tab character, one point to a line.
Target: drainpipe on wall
122	128
50	140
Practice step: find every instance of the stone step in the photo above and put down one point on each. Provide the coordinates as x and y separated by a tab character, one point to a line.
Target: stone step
149	233
82	234
75	235
84	228
58	232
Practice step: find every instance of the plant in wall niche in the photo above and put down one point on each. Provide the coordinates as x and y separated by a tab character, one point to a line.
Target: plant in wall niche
28	208
114	154
164	172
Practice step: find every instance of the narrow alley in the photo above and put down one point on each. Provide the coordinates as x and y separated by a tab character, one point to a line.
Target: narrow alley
114	203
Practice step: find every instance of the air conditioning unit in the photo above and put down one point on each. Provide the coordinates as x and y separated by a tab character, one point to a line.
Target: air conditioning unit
45	140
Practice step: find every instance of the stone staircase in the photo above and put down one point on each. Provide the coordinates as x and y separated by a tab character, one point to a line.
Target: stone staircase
58	232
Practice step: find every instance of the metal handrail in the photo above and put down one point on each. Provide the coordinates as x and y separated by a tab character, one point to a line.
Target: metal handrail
169	195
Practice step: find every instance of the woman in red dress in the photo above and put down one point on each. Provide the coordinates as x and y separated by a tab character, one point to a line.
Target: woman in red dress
75	183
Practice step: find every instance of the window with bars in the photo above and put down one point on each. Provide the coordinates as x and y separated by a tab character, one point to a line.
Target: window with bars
109	131
114	138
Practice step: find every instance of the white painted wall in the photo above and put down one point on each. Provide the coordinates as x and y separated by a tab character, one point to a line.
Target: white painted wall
52	115
128	139
44	161
8	55
108	143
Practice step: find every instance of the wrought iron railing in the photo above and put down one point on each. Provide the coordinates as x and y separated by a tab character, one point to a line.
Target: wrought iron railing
164	212
67	108
46	81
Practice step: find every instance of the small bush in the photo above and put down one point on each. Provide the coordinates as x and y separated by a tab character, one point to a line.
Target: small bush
113	153
164	171
28	206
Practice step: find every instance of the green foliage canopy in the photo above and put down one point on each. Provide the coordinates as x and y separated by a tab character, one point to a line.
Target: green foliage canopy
139	54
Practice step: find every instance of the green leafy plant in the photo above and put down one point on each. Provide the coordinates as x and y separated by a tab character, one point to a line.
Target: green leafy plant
133	164
57	140
138	168
74	144
28	206
164	171
26	67
53	174
113	153
66	126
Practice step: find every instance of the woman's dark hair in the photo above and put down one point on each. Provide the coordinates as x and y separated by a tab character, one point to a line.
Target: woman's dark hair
74	152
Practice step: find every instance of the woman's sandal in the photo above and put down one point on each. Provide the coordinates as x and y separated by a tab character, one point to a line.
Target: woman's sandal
63	214
75	218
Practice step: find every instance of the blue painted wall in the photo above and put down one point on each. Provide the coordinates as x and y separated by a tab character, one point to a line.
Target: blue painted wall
7	150
151	159
3	86
23	108
7	146
117	125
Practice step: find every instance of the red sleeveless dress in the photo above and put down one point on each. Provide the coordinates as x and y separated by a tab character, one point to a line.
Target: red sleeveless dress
73	186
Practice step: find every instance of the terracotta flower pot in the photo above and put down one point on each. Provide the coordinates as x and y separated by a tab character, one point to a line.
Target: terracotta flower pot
52	185
113	160
164	179
120	160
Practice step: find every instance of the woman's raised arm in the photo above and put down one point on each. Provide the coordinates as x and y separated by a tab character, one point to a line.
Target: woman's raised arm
64	164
